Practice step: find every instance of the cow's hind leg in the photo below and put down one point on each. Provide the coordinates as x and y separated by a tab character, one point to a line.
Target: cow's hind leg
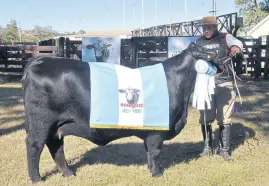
56	148
34	148
37	133
154	144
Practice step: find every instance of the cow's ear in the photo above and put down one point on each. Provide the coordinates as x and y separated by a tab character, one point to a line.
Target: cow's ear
108	45
122	91
136	90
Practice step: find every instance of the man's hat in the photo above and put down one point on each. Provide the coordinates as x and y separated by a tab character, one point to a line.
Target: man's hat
209	20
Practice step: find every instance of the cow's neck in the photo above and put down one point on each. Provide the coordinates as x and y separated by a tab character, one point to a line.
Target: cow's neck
182	77
181	67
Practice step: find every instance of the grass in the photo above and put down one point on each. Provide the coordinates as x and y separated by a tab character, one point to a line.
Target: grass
123	162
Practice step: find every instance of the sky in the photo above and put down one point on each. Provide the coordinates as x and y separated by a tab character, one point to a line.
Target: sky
96	15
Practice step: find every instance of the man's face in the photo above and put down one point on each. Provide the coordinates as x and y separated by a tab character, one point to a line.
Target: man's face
208	30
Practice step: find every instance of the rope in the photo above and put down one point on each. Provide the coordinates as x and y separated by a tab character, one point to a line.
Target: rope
235	76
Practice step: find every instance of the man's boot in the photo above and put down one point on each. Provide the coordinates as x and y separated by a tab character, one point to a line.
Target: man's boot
208	144
224	131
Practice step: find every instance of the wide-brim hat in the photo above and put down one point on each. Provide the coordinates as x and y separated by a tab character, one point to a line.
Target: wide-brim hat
209	20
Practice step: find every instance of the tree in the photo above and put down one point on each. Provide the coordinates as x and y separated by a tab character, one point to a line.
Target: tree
29	37
81	32
43	33
251	11
264	5
1	34
10	33
68	33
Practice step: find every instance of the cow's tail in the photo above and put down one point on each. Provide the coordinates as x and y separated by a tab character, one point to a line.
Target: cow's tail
27	70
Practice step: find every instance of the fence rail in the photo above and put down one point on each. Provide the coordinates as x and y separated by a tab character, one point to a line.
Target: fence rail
135	52
256	57
228	23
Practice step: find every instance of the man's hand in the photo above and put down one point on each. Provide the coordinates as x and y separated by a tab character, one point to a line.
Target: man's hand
235	49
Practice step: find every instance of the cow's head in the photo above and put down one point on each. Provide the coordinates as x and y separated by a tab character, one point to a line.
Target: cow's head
132	95
102	50
200	52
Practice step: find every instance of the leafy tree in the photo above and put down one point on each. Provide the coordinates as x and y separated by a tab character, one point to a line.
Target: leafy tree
68	33
81	32
264	5
38	33
29	37
251	11
43	33
10	33
1	34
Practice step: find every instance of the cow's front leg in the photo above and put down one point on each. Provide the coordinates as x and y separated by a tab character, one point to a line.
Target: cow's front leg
154	144
148	156
56	148
34	149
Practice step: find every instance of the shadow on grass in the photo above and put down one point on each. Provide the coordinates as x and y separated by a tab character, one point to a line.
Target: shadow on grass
135	154
257	111
10	97
11	129
239	135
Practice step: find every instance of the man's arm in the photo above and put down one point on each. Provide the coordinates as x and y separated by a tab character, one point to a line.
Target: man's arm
234	44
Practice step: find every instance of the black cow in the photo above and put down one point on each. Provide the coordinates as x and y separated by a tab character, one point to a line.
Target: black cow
102	50
56	94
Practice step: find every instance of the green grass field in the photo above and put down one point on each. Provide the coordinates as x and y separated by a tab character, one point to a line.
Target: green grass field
123	162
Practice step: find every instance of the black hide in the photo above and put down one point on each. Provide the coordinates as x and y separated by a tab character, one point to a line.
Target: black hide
56	93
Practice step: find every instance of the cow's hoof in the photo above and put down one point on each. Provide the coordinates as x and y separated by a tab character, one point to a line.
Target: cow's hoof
68	174
226	156
37	180
156	173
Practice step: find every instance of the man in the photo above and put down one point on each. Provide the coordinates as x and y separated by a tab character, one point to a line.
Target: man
224	98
